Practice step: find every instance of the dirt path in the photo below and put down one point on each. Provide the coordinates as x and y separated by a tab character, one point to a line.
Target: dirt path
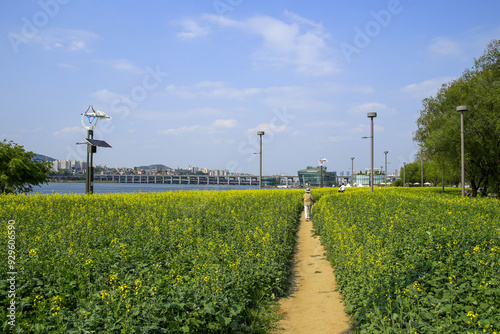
313	305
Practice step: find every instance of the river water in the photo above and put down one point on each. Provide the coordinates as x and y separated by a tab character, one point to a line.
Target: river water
107	188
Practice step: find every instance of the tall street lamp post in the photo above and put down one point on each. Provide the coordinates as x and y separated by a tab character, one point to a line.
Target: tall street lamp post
422	172
404	174
442	179
352	171
461	109
321	180
260	133
371	115
385	152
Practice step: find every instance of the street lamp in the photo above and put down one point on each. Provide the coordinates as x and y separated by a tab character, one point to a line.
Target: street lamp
89	122
404	174
321	162
422	171
260	133
461	109
385	152
352	171
371	115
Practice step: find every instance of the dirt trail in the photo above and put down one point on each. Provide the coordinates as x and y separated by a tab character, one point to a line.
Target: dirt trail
313	305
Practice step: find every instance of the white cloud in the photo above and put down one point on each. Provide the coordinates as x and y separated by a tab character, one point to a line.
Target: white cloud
330	124
442	46
300	43
65	39
213	89
180	130
74	129
124	65
268	128
339	138
334	87
365	129
372	106
212	128
180	91
77	45
219	89
425	88
107	96
191	29
302	20
224	124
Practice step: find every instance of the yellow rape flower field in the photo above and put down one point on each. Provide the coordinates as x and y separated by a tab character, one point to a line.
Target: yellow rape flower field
193	261
414	260
406	260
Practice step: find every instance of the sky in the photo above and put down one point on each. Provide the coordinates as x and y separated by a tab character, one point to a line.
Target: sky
191	82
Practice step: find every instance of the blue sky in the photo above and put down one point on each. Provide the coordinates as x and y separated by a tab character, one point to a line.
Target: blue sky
191	82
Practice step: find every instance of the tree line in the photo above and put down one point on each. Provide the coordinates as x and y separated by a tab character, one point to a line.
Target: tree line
438	126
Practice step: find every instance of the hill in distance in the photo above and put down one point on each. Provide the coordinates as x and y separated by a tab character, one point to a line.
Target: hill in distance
153	166
44	157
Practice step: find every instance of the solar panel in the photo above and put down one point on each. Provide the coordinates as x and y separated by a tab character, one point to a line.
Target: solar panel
96	142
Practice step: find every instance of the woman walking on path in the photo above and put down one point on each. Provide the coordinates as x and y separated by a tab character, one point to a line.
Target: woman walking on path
308	203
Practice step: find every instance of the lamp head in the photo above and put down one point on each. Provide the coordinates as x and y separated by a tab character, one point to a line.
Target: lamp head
462	108
371	114
260	133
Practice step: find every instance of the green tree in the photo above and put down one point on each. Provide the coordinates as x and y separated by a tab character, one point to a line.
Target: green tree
433	173
438	132
19	170
411	172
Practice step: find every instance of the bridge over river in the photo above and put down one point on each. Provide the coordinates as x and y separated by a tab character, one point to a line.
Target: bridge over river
199	179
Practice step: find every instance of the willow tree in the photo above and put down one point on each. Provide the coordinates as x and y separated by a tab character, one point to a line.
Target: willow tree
438	132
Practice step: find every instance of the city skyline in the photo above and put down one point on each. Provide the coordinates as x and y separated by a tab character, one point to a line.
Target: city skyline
62	165
191	83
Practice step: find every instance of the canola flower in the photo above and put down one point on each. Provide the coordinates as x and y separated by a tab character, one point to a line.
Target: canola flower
414	260
194	261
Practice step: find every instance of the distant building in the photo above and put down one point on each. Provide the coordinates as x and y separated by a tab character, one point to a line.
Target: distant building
193	169
68	164
312	176
377	171
364	180
270	181
218	172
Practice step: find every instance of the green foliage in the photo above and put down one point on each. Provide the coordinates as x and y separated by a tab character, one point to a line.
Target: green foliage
414	260
433	173
173	262
19	171
438	131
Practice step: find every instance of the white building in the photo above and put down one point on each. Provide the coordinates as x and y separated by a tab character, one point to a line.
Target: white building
219	172
68	164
